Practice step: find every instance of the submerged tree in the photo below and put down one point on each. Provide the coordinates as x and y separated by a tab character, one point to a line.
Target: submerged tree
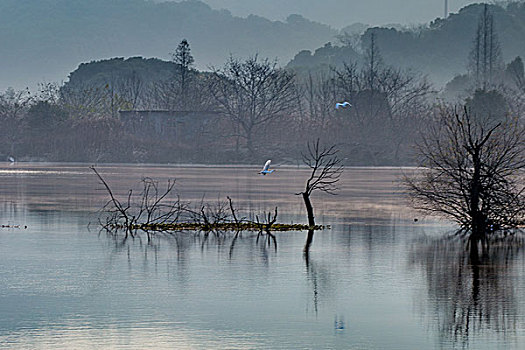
326	169
472	172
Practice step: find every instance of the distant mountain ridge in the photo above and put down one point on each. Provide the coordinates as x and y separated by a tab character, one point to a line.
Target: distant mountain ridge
47	39
439	50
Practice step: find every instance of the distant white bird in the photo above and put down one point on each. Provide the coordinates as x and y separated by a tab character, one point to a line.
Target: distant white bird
11	159
342	104
266	168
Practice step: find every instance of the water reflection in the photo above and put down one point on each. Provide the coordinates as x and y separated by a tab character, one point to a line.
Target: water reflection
319	280
64	287
183	242
469	300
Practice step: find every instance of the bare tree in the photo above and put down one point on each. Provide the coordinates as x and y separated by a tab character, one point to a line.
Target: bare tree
472	169
83	100
130	88
13	105
319	91
387	107
161	95
252	93
92	100
326	169
151	210
166	94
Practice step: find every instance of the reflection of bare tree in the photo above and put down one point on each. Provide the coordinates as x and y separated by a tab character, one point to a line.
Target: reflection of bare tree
311	272
318	278
181	242
469	299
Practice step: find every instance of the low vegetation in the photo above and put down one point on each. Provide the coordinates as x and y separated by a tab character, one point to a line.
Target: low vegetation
154	210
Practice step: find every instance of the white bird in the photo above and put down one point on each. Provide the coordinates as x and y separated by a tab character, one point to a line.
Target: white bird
343	104
266	168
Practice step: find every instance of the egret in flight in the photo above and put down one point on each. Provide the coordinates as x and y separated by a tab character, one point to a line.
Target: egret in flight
266	168
342	104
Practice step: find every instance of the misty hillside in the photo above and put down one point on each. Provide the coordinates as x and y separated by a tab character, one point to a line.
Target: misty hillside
46	39
439	50
340	13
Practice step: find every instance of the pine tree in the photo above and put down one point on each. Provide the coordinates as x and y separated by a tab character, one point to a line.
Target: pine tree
184	60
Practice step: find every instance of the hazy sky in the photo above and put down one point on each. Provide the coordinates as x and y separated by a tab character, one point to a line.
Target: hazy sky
339	13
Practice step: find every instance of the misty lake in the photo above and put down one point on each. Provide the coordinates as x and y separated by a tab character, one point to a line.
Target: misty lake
377	279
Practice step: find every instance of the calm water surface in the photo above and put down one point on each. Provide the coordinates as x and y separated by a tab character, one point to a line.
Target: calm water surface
387	281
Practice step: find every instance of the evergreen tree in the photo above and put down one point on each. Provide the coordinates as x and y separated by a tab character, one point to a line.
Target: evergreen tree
184	60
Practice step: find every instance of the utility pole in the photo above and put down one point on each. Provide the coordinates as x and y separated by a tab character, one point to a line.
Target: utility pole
446	9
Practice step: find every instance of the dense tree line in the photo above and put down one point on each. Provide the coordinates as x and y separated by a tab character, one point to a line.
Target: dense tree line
262	110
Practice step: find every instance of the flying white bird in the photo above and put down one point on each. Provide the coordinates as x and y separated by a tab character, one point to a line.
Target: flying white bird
266	168
343	104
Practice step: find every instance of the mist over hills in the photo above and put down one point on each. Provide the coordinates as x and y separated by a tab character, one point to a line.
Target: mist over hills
439	50
47	39
340	13
256	108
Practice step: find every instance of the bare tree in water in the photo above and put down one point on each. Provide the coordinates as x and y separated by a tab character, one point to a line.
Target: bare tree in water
326	169
472	174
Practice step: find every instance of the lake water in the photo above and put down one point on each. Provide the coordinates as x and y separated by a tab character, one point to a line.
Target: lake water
376	280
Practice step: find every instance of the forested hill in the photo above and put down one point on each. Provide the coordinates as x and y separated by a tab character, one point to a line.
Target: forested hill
46	39
440	49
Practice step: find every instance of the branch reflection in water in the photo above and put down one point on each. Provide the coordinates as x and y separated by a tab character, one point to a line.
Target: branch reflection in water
470	298
182	241
321	278
224	244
